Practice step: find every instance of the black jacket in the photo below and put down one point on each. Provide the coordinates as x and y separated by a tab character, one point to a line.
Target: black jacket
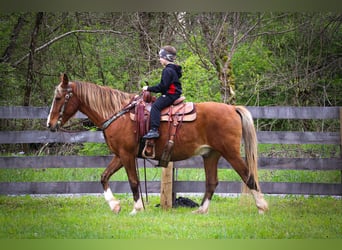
169	83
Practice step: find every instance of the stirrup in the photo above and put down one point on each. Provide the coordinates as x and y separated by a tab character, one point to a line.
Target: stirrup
149	151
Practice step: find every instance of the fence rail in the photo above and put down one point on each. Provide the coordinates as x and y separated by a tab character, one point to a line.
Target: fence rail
40	162
12	137
264	137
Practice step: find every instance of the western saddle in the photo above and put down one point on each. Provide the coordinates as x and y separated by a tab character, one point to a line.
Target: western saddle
175	114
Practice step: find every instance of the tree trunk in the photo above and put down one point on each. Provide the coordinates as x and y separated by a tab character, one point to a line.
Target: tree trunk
6	57
30	66
216	38
227	82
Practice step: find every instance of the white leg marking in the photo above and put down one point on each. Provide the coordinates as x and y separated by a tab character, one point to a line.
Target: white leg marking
114	204
260	202
204	209
138	206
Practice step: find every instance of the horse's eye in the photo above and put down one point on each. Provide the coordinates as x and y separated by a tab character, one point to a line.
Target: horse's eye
58	98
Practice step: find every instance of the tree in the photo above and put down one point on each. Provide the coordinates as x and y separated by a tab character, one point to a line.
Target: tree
293	58
30	67
221	34
7	54
307	58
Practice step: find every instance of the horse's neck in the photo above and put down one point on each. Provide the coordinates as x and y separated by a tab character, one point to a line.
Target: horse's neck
93	109
96	118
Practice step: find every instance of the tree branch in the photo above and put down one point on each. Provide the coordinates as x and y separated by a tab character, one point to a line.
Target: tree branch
62	36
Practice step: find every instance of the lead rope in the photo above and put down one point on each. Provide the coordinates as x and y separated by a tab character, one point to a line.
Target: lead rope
140	190
145	181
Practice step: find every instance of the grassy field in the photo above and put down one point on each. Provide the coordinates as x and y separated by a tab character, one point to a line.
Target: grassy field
87	217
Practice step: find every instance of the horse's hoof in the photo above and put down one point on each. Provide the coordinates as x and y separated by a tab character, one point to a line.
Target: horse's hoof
261	211
116	209
264	208
200	211
115	206
134	212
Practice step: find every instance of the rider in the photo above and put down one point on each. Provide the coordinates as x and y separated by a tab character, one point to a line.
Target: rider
170	87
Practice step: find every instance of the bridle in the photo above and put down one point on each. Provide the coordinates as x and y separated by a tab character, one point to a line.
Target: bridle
67	97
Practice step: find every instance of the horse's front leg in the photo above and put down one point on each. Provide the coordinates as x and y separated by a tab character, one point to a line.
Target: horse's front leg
113	166
133	179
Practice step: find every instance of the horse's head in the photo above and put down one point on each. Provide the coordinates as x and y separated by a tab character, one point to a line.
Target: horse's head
64	105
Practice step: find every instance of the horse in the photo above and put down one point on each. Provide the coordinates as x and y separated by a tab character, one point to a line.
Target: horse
216	132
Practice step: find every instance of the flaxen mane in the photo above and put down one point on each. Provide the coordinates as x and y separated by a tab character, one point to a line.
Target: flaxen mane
103	100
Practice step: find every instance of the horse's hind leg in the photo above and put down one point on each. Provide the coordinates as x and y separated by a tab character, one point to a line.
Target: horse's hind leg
113	166
249	179
210	166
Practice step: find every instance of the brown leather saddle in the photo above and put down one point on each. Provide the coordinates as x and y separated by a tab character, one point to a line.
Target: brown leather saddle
175	114
179	110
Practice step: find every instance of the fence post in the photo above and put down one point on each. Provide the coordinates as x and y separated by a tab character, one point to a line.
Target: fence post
166	187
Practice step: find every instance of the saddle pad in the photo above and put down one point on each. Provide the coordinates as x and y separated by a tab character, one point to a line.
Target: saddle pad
187	108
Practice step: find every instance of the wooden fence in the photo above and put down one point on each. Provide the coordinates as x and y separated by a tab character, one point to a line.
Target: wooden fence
264	137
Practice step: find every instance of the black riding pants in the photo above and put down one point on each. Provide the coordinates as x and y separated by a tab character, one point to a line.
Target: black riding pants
161	102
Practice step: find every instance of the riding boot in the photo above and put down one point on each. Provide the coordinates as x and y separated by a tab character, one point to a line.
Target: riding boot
152	134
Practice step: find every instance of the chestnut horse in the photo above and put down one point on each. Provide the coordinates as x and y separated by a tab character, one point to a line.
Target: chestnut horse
216	132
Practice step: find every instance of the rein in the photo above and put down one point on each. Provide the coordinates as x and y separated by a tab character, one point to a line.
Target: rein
106	124
123	111
145	180
72	124
115	117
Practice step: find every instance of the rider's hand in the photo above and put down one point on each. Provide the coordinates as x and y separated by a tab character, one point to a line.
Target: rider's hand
145	88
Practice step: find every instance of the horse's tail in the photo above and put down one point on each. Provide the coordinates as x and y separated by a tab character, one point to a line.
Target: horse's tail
250	142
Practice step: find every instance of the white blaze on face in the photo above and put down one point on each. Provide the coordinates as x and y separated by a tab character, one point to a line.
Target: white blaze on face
48	119
52	106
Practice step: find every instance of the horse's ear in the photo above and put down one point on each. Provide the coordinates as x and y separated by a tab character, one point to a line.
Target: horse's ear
64	79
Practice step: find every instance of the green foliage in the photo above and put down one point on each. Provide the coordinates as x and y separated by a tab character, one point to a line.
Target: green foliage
302	57
287	59
199	84
250	63
294	62
8	85
94	149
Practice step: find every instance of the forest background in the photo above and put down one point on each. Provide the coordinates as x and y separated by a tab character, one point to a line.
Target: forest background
245	58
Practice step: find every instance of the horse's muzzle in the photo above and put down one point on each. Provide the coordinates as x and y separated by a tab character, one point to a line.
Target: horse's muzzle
53	128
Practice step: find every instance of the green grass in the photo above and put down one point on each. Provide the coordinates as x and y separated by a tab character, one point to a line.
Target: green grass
80	217
154	174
